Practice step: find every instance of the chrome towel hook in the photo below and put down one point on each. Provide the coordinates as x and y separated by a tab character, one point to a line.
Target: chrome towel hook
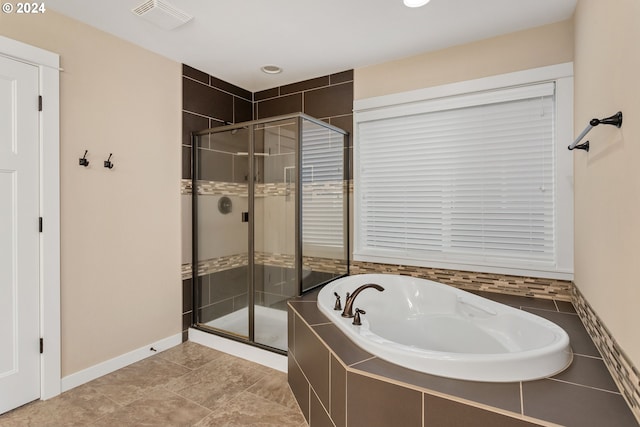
615	120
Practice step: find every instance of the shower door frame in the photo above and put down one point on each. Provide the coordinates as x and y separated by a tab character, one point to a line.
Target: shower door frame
299	117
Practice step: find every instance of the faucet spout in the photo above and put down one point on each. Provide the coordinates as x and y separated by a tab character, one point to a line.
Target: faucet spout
348	304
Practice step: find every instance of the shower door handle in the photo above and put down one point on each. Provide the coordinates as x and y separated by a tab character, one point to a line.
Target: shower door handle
245	216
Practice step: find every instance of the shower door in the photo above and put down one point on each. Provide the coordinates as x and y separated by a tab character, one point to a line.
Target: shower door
245	241
274	229
221	243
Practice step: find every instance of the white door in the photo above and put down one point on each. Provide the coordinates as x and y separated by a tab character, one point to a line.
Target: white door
19	234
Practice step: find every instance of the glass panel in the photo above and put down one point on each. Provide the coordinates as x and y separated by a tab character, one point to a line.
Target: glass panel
274	229
248	243
222	234
324	247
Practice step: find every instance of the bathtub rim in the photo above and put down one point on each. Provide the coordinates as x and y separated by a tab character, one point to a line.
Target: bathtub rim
447	364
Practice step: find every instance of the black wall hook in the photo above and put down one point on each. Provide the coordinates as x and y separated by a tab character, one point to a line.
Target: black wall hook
583	146
615	120
107	163
83	160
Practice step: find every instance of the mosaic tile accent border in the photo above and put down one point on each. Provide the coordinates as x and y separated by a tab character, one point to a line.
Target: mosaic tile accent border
216	188
214	265
186	186
624	373
512	285
213	188
325	265
275	260
185	270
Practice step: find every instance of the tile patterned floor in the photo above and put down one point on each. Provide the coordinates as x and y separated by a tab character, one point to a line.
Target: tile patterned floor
188	385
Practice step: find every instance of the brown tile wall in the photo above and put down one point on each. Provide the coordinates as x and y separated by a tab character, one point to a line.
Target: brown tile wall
209	102
206	102
379	393
329	98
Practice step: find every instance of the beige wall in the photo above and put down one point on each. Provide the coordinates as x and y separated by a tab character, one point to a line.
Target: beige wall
607	179
607	189
538	47
120	228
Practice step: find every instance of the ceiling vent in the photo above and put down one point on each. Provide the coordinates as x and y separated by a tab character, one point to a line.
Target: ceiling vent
162	14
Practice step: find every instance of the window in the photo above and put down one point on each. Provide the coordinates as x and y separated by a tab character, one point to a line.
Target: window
471	181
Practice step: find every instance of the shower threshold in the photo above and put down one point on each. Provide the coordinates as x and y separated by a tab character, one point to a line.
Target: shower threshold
270	325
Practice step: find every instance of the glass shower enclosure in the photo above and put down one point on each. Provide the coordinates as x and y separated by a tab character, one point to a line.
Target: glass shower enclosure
270	221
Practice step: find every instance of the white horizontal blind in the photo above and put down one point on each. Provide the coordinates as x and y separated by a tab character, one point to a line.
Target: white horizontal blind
470	185
322	186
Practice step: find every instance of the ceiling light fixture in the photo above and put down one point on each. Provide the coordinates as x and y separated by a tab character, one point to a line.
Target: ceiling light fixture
271	69
415	3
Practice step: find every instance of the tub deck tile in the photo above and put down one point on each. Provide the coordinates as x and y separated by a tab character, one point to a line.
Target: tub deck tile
440	412
499	395
299	386
566	307
583	395
575	406
313	357
369	400
342	346
309	312
581	342
338	397
589	372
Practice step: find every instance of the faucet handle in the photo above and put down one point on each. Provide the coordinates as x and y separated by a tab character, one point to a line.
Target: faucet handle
356	318
337	306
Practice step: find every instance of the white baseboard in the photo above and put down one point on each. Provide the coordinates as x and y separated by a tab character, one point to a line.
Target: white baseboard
243	351
108	366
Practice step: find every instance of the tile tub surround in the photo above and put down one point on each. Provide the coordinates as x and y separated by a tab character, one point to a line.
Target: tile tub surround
188	385
471	281
333	378
624	373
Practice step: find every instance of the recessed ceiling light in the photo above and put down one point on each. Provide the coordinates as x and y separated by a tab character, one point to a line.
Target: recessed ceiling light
271	69
415	3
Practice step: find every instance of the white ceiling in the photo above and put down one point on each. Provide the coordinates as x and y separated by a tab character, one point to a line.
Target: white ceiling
232	39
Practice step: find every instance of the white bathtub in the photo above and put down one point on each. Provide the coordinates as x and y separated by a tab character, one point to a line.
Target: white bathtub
441	330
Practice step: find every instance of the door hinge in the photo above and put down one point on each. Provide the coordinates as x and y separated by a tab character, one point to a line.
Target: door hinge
39	102
40	224
41	345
